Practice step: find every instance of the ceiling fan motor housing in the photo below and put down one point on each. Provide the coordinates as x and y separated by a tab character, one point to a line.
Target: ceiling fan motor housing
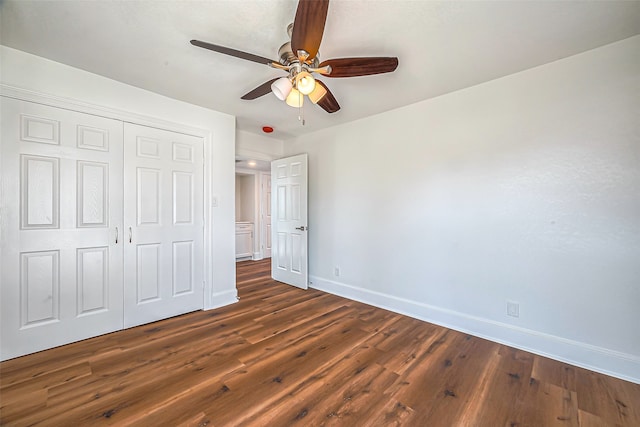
285	54
287	57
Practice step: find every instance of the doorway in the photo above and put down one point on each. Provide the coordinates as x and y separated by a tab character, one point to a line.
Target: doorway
252	209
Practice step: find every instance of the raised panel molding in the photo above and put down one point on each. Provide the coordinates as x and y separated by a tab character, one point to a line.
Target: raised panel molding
39	288
39	192
92	195
281	171
92	280
92	138
39	129
282	251
268	236
296	246
295	202
182	198
148	272
182	152
148	197
182	267
295	169
147	147
281	195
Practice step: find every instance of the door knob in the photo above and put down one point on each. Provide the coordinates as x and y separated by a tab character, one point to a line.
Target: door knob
301	228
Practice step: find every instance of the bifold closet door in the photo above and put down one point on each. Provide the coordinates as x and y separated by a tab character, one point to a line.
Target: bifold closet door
61	227
164	224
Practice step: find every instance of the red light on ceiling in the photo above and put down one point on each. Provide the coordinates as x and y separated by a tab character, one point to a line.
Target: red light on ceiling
267	129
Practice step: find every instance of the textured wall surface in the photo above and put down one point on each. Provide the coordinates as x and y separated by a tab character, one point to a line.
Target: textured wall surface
525	188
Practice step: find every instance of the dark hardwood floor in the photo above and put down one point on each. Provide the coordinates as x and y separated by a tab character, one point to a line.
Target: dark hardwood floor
284	357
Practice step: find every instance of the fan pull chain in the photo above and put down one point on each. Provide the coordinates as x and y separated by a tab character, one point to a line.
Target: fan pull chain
301	108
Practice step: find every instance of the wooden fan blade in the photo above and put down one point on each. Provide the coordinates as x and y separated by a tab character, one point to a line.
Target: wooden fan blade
328	101
352	67
308	26
261	90
233	52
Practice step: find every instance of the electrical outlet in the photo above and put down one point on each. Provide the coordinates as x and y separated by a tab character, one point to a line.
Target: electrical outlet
513	309
336	271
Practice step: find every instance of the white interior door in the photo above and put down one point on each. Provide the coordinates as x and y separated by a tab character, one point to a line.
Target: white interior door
61	228
164	222
266	215
289	263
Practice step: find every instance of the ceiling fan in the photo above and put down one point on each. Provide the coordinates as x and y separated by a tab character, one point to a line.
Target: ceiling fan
299	58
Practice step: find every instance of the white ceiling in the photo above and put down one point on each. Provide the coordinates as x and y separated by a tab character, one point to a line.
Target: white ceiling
442	46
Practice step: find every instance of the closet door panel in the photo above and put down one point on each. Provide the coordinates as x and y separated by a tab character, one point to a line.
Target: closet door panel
61	268
164	220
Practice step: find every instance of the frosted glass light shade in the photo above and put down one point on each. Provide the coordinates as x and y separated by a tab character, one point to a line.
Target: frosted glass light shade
318	92
305	82
295	98
281	88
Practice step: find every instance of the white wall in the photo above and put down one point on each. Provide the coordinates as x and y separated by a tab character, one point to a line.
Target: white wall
249	198
246	197
248	205
114	99
238	197
258	147
525	188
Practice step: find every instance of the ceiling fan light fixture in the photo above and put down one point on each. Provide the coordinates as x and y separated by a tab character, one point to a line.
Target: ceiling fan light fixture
317	93
305	82
281	88
295	98
299	57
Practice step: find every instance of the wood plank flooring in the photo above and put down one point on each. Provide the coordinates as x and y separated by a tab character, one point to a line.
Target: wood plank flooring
286	357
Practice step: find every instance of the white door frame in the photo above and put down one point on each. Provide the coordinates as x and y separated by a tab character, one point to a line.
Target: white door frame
256	253
265	204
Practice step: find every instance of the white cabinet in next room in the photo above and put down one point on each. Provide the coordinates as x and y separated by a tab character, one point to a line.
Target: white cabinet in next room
244	239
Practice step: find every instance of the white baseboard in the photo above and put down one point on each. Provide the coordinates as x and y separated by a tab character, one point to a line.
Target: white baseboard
221	299
609	362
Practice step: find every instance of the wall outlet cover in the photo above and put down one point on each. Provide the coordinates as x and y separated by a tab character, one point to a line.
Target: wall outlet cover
513	309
